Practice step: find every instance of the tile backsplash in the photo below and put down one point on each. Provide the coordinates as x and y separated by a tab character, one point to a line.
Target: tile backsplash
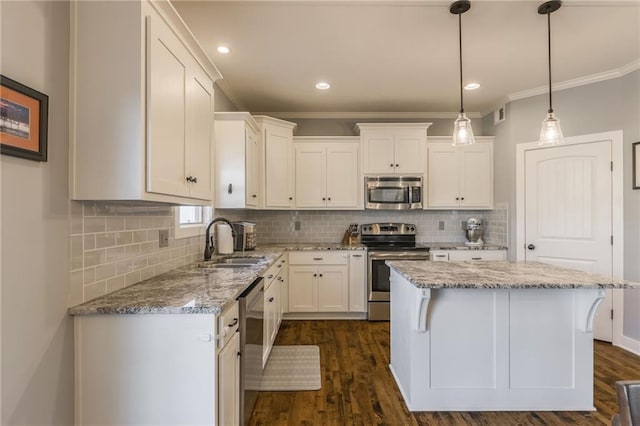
303	226
116	244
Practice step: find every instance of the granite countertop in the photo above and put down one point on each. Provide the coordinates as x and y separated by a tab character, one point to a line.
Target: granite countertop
315	246
191	289
498	274
462	246
195	288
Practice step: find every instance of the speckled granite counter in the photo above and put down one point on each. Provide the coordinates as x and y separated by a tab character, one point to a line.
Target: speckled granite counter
193	289
500	275
462	246
190	289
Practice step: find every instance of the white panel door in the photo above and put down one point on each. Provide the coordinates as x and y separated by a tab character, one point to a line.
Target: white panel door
200	133
310	175
409	151
167	80
568	213
303	289
378	152
333	289
476	189
444	178
342	176
252	167
229	382
278	167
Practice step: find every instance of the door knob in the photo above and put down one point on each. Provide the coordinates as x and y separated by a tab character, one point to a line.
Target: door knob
531	247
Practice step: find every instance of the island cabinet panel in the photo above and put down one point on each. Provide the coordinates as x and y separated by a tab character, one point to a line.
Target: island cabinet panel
488	349
149	135
145	369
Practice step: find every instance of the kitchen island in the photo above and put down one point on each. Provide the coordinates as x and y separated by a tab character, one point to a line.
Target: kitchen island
494	336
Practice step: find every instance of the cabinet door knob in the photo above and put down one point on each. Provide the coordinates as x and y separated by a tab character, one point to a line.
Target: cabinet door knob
320	275
329	198
290	198
323	198
397	165
271	300
457	198
189	178
315	275
195	179
254	196
462	198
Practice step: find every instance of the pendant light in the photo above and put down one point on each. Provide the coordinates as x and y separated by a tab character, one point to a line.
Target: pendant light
550	133
462	131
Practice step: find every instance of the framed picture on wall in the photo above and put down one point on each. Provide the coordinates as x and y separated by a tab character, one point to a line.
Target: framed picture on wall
636	165
23	120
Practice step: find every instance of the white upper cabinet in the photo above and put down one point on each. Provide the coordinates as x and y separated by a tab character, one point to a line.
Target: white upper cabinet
327	173
277	140
460	177
394	148
238	166
141	108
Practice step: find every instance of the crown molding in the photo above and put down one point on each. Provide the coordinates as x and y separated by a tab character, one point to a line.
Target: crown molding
367	115
580	81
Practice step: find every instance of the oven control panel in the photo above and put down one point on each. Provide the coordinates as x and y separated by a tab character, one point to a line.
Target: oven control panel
388	229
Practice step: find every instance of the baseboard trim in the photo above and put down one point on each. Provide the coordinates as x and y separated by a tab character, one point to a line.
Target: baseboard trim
325	316
629	344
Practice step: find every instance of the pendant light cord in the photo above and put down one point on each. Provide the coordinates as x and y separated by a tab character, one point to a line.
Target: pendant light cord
549	52
460	50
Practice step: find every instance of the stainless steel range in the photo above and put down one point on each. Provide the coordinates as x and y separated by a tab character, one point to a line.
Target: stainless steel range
387	241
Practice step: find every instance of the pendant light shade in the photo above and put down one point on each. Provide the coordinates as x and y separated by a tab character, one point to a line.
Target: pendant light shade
462	131
550	133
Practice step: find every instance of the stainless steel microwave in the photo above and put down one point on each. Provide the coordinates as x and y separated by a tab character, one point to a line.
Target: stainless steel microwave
393	192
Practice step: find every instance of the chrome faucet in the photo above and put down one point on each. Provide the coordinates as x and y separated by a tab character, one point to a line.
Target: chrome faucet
209	247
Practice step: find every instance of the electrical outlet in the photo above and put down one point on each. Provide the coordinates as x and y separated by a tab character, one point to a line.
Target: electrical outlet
163	238
296	225
441	225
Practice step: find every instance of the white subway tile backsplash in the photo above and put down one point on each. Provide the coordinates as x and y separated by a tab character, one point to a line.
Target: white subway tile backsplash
115	244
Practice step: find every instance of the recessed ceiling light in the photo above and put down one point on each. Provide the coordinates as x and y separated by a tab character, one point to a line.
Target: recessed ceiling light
471	86
223	49
323	85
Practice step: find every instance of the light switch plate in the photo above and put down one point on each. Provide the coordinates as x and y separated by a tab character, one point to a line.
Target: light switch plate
163	238
441	225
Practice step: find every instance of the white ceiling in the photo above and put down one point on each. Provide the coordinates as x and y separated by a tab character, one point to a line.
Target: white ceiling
402	56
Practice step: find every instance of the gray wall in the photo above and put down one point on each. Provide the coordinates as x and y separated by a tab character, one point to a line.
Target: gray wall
37	335
221	101
604	106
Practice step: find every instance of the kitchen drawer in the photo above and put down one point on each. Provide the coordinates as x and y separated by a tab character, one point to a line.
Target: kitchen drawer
228	323
440	255
319	258
270	274
455	255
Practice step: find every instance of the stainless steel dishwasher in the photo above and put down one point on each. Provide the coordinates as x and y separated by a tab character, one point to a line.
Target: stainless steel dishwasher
251	305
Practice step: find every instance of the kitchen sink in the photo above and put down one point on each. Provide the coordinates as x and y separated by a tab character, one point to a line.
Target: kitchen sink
243	260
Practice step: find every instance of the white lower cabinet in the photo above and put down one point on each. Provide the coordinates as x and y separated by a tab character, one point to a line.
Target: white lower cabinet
273	304
229	382
461	255
358	282
318	282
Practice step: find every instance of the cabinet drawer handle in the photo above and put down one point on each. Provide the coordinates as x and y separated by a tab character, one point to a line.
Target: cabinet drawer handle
317	258
441	255
271	300
234	323
476	258
269	276
357	255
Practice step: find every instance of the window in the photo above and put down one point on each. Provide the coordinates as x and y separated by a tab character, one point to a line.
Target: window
191	220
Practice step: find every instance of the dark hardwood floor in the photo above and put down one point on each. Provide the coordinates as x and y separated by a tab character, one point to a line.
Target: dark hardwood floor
357	387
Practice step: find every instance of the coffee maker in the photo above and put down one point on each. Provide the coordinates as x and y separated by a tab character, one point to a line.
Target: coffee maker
245	236
473	232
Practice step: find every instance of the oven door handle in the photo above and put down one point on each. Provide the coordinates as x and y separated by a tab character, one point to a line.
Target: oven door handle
399	256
